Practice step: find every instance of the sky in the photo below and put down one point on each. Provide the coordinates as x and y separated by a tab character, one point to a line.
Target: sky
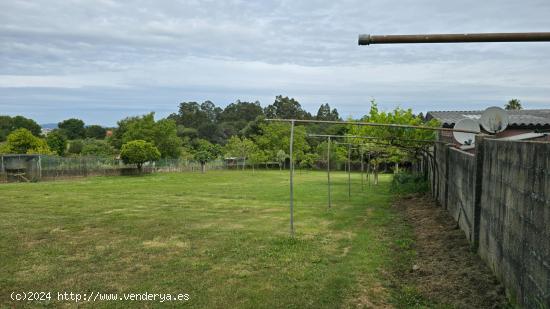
104	60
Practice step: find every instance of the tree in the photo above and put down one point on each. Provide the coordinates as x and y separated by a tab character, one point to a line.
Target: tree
241	111
236	116
138	152
95	131
211	132
281	158
75	147
22	141
257	156
5	127
394	144
163	134
309	159
98	148
253	128
324	113
513	104
57	141
166	138
211	111
286	108
187	133
29	124
9	124
190	115
276	136
204	152
240	148
73	128
338	152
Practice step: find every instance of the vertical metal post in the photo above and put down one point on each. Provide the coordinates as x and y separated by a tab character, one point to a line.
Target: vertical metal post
362	170
368	170
349	170
40	167
328	173
291	180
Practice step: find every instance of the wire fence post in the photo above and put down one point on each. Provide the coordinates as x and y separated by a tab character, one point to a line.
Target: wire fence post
362	170
368	170
349	170
328	173
39	167
291	180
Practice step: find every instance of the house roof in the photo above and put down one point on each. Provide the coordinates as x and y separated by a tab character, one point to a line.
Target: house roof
517	118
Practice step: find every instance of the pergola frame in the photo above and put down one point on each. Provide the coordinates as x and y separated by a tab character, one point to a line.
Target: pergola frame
359	123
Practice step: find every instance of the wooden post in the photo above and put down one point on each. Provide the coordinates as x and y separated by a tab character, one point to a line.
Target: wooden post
291	180
328	173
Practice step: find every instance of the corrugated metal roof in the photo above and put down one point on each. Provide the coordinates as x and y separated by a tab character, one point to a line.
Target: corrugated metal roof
520	118
524	136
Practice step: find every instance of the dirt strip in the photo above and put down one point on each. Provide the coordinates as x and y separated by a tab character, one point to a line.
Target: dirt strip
446	270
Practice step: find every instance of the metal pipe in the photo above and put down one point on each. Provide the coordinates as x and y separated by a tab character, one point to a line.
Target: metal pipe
349	171
368	170
291	181
374	137
328	173
374	124
367	39
362	170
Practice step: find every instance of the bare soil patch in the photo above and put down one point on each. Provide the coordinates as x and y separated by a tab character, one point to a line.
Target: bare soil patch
446	270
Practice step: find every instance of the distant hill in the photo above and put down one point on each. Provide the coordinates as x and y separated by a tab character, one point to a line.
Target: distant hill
49	126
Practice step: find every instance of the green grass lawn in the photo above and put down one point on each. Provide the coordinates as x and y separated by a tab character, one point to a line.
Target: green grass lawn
222	237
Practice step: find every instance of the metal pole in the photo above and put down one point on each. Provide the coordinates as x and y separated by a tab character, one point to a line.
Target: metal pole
378	138
291	180
362	170
367	39
375	124
368	170
40	167
349	170
328	173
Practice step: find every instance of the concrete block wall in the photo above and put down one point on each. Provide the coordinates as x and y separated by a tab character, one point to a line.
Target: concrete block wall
509	219
514	232
441	158
460	189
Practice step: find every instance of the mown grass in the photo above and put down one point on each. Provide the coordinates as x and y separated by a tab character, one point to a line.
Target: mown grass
222	237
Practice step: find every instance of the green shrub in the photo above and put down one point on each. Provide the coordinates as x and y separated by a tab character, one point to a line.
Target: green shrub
22	141
406	183
99	148
138	152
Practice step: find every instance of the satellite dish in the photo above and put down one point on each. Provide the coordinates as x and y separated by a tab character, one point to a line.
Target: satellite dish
494	119
466	138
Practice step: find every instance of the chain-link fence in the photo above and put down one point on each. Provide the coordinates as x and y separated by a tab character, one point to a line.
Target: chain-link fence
14	168
30	168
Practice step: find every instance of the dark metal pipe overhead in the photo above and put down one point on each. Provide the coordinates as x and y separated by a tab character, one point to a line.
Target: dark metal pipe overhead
367	39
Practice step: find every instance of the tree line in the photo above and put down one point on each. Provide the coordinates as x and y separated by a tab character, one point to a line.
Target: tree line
204	132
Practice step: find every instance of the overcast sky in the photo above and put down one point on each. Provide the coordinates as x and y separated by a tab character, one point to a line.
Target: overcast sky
104	60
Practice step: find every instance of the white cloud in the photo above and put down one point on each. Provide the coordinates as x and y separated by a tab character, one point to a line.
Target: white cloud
306	49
